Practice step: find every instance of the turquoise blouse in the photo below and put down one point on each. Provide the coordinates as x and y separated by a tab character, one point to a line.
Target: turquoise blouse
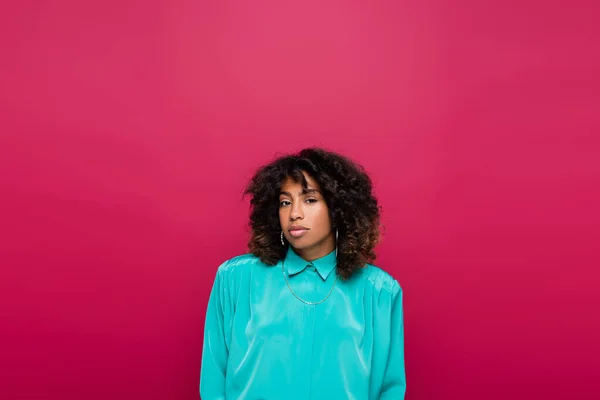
261	342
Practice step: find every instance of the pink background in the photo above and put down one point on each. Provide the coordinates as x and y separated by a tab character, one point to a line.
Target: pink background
128	130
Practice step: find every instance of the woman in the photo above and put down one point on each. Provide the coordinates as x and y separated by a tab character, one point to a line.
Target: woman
305	315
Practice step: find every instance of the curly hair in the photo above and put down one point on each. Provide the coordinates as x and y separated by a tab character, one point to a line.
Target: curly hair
347	190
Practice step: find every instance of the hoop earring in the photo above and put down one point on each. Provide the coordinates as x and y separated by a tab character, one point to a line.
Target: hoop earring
336	242
282	242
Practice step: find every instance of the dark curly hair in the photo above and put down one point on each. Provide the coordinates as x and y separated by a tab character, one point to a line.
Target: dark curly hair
347	190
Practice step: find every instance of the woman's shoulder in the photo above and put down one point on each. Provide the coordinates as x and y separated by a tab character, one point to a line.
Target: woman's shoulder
240	265
380	279
239	261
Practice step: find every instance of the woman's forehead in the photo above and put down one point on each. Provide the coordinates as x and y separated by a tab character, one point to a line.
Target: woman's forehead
290	185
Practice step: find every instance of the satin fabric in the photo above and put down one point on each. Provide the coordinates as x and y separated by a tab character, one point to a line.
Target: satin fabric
261	342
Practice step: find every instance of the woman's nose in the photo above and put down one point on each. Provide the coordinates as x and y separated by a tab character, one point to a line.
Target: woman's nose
297	211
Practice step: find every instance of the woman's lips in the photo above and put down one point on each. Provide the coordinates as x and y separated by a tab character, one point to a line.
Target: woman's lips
298	232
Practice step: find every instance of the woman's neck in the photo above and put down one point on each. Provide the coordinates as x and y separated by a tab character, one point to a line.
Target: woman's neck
318	250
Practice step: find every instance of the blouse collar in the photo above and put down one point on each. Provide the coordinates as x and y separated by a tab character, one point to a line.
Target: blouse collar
296	264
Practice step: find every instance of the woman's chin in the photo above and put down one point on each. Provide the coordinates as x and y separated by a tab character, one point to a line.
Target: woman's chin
300	244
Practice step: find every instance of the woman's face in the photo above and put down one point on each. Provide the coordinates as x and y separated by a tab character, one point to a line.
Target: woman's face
304	219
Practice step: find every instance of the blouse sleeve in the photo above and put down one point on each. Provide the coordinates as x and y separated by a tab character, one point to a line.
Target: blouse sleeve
394	381
215	351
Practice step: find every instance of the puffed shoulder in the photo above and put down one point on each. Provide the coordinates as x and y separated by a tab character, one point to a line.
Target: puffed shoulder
382	280
240	261
239	269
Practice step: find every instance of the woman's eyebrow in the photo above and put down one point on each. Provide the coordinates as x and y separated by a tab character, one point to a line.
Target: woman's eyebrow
304	191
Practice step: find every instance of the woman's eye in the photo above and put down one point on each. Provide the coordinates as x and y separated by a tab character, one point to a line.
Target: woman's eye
311	200
284	203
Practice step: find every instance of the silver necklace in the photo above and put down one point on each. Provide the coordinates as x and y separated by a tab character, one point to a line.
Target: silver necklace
301	299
